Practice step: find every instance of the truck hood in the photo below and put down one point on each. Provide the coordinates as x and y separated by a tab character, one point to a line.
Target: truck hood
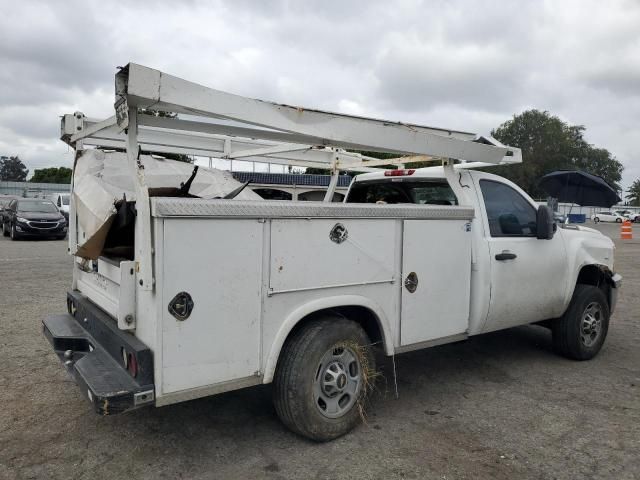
581	228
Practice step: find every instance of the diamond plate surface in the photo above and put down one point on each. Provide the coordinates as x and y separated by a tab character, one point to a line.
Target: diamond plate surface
194	207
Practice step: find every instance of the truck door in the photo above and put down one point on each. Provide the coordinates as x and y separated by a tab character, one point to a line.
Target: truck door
436	274
528	275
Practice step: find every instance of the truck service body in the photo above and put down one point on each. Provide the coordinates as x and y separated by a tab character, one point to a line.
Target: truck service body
220	294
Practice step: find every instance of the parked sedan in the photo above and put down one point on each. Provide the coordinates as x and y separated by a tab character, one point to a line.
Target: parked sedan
30	217
634	217
5	200
607	216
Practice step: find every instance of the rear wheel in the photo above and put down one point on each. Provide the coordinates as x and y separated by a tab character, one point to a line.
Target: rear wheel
5	232
596	219
618	220
324	374
580	333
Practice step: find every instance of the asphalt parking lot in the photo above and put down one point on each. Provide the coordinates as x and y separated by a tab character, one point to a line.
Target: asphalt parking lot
497	406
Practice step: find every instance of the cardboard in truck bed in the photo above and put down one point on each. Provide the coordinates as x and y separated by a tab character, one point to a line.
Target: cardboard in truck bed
102	179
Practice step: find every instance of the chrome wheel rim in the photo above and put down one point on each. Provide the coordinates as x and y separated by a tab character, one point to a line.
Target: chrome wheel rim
591	324
337	382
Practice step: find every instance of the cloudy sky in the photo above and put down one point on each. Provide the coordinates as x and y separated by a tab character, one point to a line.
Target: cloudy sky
467	65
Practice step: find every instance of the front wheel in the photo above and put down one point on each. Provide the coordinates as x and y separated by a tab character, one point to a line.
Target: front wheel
596	219
324	374
618	220
14	234
580	333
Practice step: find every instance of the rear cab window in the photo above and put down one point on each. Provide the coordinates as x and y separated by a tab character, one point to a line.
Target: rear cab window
420	192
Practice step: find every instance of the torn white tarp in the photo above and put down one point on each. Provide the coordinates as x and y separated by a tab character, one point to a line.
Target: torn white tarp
101	179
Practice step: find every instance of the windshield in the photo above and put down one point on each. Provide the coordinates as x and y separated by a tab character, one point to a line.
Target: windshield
65	199
421	192
43	206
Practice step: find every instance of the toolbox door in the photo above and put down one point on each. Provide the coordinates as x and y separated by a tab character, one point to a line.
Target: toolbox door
436	275
218	264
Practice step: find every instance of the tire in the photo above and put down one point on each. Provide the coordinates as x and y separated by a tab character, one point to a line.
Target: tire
596	219
324	374
13	234
618	220
5	232
580	333
61	237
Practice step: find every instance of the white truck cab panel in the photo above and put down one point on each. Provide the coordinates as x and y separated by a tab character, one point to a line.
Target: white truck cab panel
528	275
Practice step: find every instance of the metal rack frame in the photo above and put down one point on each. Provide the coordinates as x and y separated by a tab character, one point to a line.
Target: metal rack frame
223	125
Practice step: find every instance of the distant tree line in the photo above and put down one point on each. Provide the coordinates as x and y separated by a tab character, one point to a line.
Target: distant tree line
52	175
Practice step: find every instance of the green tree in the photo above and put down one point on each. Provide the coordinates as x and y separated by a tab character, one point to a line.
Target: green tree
12	169
550	144
633	193
171	156
51	175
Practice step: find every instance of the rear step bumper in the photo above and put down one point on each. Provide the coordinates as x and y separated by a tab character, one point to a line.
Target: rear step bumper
96	354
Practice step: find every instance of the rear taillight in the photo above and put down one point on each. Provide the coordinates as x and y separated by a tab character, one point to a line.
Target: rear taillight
129	362
132	365
399	173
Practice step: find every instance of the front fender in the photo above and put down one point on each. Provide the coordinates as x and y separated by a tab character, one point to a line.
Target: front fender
322	304
585	247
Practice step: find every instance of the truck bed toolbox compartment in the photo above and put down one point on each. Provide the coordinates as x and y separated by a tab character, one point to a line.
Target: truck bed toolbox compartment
113	369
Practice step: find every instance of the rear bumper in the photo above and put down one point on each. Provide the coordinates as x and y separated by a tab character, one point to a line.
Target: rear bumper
96	354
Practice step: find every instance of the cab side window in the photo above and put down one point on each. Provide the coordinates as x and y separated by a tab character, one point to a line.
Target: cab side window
508	212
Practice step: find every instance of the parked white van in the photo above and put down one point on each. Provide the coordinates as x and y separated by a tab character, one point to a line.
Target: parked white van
61	200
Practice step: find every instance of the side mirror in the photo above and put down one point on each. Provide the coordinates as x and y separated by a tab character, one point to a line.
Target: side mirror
545	225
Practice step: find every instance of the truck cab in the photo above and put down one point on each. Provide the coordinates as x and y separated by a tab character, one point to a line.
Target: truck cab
518	276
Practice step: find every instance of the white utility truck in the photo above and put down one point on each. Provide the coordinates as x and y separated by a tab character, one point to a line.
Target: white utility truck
183	291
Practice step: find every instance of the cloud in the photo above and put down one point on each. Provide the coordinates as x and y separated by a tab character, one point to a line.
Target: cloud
461	64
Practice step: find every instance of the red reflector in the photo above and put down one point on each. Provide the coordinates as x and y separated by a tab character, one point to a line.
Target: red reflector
132	365
398	173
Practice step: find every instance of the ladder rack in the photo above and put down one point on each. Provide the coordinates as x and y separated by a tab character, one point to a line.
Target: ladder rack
218	124
234	127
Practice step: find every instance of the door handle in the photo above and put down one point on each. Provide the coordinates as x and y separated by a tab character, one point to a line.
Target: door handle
505	256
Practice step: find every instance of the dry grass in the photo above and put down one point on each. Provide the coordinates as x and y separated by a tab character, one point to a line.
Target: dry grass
370	376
